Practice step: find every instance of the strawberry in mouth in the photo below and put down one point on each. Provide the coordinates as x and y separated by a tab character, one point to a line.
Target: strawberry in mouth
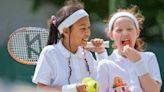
126	42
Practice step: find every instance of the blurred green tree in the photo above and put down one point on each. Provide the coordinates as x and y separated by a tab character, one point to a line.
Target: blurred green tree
97	7
153	10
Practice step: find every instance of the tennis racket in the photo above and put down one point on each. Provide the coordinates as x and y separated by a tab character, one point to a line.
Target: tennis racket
26	43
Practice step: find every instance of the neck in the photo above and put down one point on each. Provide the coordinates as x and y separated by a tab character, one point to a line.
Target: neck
119	52
69	46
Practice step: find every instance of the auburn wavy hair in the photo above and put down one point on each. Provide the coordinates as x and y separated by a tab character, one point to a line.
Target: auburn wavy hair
139	45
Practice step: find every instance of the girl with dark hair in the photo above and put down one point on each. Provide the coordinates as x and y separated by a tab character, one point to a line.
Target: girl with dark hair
139	70
64	63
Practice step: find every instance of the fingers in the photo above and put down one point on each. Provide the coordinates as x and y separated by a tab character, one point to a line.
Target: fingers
82	88
131	53
126	49
97	42
96	46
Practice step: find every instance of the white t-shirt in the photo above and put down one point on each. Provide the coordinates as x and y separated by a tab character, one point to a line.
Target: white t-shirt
52	68
118	65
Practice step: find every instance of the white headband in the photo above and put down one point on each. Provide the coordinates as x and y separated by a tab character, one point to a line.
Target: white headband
72	19
122	14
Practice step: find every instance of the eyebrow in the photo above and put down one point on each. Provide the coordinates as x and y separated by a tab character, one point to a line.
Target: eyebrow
83	25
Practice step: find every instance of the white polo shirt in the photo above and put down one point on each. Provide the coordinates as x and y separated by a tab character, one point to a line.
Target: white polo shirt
118	65
52	68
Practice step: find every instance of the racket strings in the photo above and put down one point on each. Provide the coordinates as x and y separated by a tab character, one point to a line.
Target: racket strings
26	44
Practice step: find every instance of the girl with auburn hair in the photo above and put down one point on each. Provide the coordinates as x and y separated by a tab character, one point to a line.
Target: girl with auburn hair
138	69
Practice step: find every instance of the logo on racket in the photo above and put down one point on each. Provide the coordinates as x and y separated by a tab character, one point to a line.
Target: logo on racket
30	43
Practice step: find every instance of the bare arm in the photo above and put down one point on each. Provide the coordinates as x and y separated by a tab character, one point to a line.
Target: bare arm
49	88
80	88
148	84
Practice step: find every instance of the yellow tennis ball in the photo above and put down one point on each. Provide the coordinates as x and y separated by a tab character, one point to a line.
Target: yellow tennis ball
92	86
86	80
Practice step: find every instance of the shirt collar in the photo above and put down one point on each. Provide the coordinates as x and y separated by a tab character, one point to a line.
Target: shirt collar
79	53
117	57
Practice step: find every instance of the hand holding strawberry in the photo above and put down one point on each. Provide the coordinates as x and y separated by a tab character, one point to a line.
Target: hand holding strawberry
130	52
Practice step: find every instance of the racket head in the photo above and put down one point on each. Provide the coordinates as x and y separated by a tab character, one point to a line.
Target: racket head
25	44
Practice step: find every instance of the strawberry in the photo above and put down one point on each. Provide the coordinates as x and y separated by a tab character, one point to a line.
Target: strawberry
119	84
126	43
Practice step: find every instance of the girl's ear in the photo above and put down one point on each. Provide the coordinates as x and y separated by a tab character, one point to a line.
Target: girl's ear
138	32
110	35
66	32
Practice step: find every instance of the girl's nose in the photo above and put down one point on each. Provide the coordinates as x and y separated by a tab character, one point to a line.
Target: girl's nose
125	32
88	32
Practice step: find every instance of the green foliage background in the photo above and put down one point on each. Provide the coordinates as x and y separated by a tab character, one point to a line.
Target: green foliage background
153	32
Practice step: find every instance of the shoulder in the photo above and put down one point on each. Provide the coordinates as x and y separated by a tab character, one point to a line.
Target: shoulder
147	54
102	65
107	63
88	54
49	48
84	50
107	66
149	57
48	56
104	62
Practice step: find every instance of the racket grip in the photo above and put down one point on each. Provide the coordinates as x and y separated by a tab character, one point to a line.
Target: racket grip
90	45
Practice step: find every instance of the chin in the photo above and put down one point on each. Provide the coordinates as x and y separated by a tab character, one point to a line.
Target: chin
84	44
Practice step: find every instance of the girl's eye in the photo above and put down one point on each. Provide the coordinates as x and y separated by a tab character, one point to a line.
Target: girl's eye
89	27
82	28
129	29
119	30
85	28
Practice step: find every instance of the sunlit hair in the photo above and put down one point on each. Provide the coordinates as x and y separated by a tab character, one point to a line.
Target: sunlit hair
139	45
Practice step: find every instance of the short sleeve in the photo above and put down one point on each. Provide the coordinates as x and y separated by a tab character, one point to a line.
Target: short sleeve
102	76
43	71
154	68
101	56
